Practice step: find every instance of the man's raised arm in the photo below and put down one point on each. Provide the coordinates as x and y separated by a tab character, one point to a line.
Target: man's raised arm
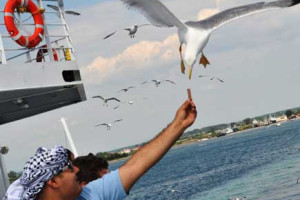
153	151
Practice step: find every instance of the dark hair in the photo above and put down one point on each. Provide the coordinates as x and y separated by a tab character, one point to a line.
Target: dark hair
70	154
89	166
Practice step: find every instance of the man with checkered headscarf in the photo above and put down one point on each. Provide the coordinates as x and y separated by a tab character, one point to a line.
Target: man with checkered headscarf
47	170
50	174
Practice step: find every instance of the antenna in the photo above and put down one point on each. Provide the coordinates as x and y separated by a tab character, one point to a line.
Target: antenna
69	137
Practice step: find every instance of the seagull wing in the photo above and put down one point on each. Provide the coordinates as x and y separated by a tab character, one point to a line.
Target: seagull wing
144	25
144	82
70	12
155	12
203	76
113	98
103	124
116	107
126	29
53	7
118	120
124	90
235	13
98	97
170	81
220	80
109	35
130	87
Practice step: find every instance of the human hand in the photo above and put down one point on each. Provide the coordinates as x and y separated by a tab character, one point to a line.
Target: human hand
186	114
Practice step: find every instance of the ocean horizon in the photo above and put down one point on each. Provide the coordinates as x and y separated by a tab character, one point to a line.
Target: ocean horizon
255	164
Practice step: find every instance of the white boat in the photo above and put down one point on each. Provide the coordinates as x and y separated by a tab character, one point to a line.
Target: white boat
41	78
237	198
38	69
272	119
229	130
278	124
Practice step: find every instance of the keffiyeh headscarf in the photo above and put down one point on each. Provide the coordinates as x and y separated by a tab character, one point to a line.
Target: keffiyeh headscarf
44	165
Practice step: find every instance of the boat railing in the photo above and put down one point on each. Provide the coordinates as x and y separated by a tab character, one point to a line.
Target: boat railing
53	42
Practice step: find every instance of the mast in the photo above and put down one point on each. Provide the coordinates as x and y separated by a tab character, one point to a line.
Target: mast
69	137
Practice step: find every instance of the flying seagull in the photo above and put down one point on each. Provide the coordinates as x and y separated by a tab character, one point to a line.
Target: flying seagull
158	82
131	102
108	125
126	89
132	30
195	34
105	101
212	78
70	12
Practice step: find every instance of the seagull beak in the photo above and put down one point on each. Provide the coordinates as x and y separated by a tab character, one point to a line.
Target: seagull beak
190	72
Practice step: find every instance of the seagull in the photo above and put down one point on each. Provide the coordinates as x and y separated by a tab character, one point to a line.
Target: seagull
108	125
131	102
132	30
195	34
157	82
105	101
211	78
70	12
126	89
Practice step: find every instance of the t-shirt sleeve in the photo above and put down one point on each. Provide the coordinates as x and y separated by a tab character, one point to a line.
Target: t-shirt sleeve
109	187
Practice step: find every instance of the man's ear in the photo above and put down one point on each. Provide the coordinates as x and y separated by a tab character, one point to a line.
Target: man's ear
83	183
53	182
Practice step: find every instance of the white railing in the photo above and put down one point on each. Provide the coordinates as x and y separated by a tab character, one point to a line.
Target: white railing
61	42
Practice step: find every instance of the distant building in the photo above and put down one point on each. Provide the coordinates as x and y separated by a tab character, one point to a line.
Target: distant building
136	148
281	118
255	123
266	122
127	150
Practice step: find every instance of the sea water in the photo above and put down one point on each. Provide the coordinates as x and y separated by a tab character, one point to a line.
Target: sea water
262	163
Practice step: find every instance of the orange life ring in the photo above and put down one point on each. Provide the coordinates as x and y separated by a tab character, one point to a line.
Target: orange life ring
25	41
42	51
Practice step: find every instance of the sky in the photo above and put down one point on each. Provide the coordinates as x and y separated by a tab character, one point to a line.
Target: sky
256	56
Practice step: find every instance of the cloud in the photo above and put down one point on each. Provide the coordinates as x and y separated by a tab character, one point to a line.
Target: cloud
144	52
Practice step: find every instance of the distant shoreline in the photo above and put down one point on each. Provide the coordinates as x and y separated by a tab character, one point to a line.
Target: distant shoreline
193	141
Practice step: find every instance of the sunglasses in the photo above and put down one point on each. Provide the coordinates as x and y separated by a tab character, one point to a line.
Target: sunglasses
68	166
